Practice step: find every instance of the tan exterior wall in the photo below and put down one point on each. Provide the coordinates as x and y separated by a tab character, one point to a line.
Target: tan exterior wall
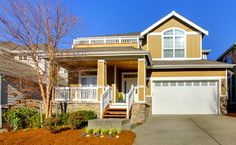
187	73
141	79
174	22
135	45
155	46
101	76
193	42
193	46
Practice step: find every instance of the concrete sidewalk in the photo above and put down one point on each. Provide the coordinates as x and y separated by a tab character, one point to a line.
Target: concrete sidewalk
187	130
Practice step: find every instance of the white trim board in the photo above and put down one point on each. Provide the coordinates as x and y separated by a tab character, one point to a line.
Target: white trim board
173	13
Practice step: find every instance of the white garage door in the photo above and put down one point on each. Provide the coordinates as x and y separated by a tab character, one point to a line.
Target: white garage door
185	97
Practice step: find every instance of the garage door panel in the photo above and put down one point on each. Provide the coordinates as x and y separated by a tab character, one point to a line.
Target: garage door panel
185	99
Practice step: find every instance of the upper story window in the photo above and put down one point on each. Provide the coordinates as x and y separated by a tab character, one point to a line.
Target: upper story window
174	42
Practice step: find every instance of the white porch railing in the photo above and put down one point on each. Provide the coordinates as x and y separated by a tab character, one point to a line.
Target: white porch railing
76	94
105	99
84	93
106	40
130	99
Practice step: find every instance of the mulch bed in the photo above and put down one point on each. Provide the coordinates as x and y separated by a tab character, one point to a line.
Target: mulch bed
69	137
231	114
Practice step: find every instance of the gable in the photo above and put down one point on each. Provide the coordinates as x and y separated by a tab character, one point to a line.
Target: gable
178	16
173	22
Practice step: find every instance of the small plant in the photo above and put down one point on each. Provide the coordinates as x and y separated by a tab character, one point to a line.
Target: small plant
112	132
120	97
89	131
104	132
97	131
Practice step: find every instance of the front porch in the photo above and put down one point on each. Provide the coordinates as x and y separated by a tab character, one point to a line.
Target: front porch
113	84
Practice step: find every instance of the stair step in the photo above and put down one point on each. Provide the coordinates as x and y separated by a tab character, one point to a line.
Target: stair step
114	116
116	109
116	112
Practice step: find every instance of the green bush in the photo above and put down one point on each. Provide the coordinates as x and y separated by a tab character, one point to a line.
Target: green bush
22	117
63	119
52	121
75	120
88	114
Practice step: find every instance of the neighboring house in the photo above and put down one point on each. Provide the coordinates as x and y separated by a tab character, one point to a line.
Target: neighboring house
229	56
21	53
18	84
161	70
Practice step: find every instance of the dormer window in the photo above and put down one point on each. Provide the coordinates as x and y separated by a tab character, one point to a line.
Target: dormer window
174	43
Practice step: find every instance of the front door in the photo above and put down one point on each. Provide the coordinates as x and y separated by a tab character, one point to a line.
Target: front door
127	82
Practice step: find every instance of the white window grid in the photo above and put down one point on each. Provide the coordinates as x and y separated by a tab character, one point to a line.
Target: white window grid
173	35
184	83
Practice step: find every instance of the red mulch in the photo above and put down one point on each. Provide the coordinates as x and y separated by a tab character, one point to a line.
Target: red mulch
231	114
69	137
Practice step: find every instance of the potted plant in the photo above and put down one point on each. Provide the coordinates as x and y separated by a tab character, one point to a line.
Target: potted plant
120	97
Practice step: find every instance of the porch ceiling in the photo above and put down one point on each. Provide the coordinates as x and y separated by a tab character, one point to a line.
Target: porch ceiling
122	64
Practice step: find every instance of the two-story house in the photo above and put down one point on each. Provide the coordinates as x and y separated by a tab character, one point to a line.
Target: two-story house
229	57
161	70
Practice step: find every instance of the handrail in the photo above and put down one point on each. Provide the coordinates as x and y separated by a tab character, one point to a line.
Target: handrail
130	100
75	94
106	40
105	99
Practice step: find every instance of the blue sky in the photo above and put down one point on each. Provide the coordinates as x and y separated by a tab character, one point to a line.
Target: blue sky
97	17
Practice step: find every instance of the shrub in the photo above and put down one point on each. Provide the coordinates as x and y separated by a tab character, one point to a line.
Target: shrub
75	120
22	117
63	119
104	132
88	114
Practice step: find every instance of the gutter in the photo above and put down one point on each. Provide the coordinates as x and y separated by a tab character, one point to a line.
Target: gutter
191	66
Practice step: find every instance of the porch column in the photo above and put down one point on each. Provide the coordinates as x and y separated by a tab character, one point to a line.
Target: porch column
141	80
101	77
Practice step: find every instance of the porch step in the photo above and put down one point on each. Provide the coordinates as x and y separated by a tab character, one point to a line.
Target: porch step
114	116
115	112
118	105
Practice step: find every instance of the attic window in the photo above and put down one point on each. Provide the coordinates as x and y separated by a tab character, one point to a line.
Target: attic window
174	41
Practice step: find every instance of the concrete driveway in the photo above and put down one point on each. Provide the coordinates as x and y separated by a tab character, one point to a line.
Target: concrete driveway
187	130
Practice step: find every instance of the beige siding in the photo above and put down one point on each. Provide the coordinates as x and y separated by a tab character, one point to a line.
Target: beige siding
155	46
193	46
193	42
101	77
141	79
173	22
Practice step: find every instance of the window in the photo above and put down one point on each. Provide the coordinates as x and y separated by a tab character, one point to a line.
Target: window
22	57
89	81
174	43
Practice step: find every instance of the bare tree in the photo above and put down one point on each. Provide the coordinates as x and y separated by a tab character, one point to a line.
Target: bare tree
39	26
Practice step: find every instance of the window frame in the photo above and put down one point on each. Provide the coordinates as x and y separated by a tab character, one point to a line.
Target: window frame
173	48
